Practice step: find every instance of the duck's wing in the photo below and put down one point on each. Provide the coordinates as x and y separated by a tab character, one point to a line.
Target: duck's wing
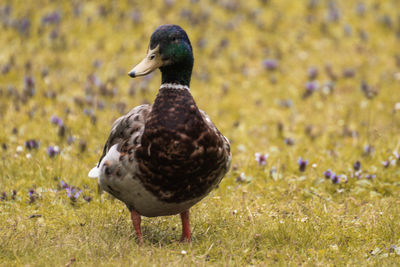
226	144
126	133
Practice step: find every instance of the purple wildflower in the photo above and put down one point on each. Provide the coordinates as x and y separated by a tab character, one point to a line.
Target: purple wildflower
23	25
3	196
328	173
73	193
100	104
32	144
29	86
53	151
302	164
360	8
357	165
333	13
368	150
285	103
312	73
310	87
386	163
29	81
136	16
64	184
270	64
32	196
335	178
370	176
347	29
94	80
349	73
52	18
56	120
368	91
54	34
88	112
288	141
70	139
261	159
87	198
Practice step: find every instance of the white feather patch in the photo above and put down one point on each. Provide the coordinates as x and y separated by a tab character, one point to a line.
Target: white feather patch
95	172
112	154
175	86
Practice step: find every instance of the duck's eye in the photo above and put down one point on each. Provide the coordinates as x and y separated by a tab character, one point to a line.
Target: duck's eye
152	57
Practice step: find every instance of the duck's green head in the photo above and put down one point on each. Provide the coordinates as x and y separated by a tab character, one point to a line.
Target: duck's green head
170	51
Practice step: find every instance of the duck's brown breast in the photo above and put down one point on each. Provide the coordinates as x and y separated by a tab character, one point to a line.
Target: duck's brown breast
181	157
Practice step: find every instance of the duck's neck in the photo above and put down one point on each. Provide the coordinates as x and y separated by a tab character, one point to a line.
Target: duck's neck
177	74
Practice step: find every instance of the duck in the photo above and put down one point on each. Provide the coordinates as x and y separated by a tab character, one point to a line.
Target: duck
161	159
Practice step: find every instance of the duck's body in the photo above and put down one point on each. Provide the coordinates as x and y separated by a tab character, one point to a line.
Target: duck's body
161	159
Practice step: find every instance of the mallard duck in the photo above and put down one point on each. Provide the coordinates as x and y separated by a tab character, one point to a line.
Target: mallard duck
162	159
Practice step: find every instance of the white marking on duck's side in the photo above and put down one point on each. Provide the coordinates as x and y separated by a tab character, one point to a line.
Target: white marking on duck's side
174	86
95	172
111	154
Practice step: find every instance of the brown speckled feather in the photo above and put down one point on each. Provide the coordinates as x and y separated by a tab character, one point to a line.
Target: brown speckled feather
182	154
127	130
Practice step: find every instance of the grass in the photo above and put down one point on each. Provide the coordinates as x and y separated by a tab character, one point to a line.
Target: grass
274	214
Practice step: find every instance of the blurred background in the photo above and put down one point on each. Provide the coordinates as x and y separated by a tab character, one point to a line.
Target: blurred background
308	92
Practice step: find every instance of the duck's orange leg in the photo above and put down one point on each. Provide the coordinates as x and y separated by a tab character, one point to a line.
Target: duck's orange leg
136	220
186	234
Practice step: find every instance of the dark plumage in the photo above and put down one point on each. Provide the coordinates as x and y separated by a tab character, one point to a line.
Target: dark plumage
161	159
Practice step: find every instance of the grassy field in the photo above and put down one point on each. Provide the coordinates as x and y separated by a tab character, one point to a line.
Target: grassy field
316	80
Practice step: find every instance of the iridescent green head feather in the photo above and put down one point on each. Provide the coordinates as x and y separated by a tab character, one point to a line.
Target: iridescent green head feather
170	51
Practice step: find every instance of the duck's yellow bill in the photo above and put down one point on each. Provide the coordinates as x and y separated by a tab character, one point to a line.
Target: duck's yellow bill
151	62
